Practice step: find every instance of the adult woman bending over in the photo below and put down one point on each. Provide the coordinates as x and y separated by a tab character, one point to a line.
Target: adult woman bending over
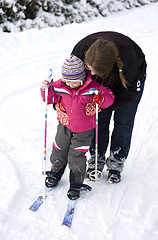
117	62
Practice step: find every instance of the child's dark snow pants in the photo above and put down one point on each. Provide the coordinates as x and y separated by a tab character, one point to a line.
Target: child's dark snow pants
70	147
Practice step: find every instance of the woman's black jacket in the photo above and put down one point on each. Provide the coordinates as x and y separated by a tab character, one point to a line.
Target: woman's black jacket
134	68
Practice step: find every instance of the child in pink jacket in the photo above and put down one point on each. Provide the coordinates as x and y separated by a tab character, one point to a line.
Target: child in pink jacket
71	96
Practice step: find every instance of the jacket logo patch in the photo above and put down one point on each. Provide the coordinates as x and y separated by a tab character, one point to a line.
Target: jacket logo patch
138	85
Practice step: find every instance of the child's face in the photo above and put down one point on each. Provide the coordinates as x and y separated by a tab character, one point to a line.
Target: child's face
72	84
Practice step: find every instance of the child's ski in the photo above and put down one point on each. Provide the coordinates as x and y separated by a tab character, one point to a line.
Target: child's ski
39	200
67	221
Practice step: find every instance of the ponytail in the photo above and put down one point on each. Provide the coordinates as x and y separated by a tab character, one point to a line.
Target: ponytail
121	75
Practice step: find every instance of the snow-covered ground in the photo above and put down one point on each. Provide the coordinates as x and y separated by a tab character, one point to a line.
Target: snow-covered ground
124	211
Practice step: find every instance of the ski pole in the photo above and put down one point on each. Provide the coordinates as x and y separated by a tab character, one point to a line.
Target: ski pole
96	174
96	144
45	139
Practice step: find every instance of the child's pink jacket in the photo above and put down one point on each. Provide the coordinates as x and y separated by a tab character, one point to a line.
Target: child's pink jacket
74	102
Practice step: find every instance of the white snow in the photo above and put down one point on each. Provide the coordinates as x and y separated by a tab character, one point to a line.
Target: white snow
59	13
124	211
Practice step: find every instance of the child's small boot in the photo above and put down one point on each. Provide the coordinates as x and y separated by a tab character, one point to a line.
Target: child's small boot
52	178
75	189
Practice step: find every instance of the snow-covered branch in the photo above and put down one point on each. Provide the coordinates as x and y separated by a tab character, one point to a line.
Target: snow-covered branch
25	14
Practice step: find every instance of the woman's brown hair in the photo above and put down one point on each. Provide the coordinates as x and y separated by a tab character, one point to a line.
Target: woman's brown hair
102	56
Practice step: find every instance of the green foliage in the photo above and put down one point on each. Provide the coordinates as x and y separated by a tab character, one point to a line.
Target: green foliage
69	1
6	13
57	12
30	8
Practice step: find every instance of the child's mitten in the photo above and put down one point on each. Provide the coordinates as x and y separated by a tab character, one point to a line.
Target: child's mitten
62	116
45	84
90	108
98	99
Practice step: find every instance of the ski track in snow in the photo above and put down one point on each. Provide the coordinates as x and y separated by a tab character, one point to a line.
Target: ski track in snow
124	211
